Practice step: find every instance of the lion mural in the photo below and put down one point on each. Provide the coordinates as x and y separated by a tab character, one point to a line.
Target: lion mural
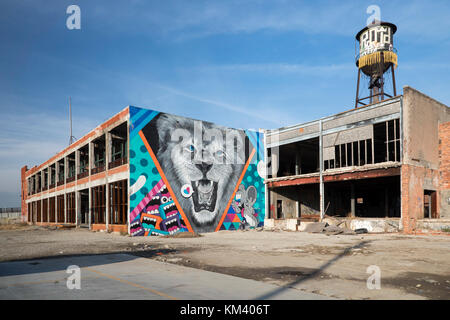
202	162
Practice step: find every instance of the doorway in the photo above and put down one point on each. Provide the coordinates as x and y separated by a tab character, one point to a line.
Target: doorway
279	209
429	204
84	206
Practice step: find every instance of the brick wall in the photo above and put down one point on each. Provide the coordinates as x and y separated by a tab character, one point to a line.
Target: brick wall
416	179
24	192
444	169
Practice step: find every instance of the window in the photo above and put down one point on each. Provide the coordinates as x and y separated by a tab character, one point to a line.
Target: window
387	141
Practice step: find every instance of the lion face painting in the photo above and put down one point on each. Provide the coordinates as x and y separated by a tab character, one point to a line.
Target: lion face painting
202	163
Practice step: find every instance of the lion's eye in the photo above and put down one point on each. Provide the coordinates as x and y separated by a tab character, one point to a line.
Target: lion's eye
220	153
190	148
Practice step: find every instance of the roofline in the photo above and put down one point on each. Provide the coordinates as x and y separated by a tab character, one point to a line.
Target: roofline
354	110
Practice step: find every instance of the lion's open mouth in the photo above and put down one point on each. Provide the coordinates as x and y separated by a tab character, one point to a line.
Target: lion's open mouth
204	195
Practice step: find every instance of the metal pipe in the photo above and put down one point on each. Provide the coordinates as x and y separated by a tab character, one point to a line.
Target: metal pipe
266	164
322	213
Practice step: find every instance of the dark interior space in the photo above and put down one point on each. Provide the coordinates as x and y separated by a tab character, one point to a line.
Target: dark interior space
60	165
430	204
98	204
373	198
52	176
118	145
99	155
299	158
83	170
387	141
84	206
306	197
71	167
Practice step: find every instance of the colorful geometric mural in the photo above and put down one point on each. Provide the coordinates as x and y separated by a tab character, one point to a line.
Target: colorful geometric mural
191	175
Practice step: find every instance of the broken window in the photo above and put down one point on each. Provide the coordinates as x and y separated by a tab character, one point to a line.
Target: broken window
99	155
299	158
357	153
118	146
83	170
337	156
387	141
60	165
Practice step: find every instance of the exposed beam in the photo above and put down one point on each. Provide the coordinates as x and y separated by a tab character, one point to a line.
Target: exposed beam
345	176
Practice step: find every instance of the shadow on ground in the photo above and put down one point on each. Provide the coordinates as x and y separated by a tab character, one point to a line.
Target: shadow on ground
39	265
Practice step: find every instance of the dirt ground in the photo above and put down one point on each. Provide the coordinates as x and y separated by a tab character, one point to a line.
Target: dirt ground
412	267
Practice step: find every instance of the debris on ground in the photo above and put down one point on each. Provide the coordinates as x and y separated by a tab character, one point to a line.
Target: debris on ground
324	227
316	227
183	235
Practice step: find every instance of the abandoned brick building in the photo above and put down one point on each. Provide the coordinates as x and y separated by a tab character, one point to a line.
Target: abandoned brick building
386	166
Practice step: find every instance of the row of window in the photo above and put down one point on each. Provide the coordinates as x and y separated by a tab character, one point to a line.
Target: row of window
58	209
118	158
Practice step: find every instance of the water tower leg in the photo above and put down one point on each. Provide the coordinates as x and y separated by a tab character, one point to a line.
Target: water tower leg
382	76
393	80
357	89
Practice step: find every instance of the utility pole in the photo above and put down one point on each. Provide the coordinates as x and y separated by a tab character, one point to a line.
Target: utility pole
72	138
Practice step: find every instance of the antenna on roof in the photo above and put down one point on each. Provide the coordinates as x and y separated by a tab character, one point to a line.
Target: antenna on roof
72	138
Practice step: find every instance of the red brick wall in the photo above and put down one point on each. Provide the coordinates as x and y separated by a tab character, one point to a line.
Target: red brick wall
414	181
23	193
444	155
444	169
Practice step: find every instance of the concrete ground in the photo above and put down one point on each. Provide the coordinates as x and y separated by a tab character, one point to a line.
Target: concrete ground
125	276
412	267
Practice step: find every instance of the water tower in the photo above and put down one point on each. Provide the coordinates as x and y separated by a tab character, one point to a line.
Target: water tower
376	56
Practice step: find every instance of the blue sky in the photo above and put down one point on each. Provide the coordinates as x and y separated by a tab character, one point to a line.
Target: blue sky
243	64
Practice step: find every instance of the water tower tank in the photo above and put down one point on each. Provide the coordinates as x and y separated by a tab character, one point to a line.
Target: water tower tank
376	56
